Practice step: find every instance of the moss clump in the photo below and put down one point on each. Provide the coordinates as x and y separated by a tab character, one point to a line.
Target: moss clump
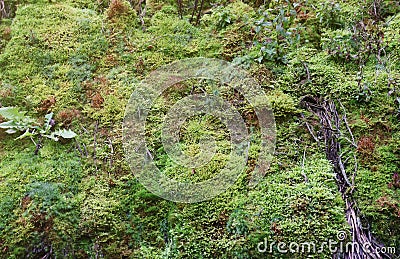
282	104
53	44
82	59
392	38
39	199
378	193
223	17
301	205
121	15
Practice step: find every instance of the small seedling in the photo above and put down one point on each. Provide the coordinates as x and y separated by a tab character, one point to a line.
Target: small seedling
17	121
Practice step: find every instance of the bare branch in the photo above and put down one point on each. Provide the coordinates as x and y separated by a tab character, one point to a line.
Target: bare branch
199	12
142	13
330	127
344	117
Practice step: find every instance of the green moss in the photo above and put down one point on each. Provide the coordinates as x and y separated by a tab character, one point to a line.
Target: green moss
53	43
281	103
392	38
229	15
378	199
81	199
35	192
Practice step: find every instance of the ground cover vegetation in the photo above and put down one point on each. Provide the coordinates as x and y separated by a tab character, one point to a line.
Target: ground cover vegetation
330	69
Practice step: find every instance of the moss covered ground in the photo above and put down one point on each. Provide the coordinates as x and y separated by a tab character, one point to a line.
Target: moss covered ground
82	60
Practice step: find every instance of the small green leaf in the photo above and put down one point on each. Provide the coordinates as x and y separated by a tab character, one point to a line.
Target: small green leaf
11	131
65	133
47	125
48	118
26	134
51	136
8	125
11	113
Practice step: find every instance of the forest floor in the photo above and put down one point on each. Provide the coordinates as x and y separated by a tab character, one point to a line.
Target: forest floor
330	71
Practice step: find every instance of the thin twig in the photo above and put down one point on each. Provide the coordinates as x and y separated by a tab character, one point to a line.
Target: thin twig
85	150
194	10
85	130
142	13
199	12
149	154
78	147
3	12
344	117
109	142
180	8
309	128
307	71
38	144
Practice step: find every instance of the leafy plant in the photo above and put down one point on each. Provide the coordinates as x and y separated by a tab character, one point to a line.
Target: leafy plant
17	121
224	18
329	14
237	223
284	30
